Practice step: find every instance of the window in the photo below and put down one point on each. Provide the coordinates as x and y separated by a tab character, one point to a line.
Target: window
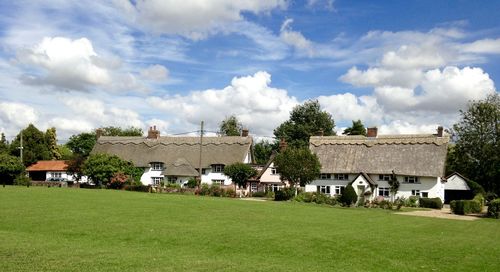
56	174
339	189
325	176
156	180
383	191
253	187
324	189
217	168
425	194
415	192
273	171
172	179
157	166
384	177
341	176
217	181
273	187
411	179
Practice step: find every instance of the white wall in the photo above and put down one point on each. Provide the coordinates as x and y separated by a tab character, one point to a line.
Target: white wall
455	182
146	178
268	177
64	175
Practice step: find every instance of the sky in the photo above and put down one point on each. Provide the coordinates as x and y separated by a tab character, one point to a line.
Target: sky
402	66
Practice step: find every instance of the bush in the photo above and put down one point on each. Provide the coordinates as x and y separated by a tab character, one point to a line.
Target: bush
433	203
385	204
465	206
259	194
490	196
204	190
400	202
22	180
412	201
270	194
136	188
349	196
479	198
494	209
191	183
284	194
215	190
318	198
475	187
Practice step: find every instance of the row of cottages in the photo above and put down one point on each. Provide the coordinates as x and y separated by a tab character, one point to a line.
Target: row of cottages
368	163
177	159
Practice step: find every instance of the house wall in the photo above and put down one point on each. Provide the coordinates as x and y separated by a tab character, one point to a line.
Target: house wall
455	182
146	177
268	177
209	176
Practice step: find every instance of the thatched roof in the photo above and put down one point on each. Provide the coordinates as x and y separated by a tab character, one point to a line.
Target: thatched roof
142	151
414	155
181	167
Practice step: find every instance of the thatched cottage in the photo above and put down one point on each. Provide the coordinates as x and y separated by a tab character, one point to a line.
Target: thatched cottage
177	159
368	163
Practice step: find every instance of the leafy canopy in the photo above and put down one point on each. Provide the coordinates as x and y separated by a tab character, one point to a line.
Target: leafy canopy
81	144
239	173
10	167
297	165
230	127
100	168
305	120
35	146
262	151
357	128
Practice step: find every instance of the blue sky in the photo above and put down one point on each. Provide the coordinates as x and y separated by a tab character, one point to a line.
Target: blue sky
403	66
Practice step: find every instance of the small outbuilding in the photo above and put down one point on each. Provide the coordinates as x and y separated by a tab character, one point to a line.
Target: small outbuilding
456	188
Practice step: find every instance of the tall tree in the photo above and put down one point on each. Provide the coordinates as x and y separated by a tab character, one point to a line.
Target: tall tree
81	144
4	145
297	165
262	151
51	139
230	127
305	120
357	128
477	149
239	173
34	146
10	167
100	168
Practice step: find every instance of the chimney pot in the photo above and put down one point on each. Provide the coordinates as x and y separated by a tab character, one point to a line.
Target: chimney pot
153	133
244	132
371	132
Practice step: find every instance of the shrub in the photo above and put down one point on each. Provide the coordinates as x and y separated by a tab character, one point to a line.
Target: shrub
173	185
433	203
494	209
136	188
22	180
191	183
259	194
400	202
479	198
284	194
229	192
475	187
465	206
412	201
215	190
385	204
349	196
490	196
270	194
204	190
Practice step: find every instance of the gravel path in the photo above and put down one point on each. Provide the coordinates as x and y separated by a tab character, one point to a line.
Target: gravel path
443	213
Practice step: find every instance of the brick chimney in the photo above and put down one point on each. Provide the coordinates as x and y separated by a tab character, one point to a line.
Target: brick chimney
440	131
283	145
244	132
153	133
98	133
371	132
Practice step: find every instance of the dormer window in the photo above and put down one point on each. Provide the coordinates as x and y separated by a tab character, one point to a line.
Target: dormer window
158	166
217	168
325	176
411	179
384	177
341	176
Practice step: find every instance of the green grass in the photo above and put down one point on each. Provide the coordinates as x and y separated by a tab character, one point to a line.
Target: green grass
58	229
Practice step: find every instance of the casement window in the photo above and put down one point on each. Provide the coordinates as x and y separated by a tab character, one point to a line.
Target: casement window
339	189
274	171
217	181
384	191
424	194
156	180
323	189
253	187
325	176
384	177
157	166
56	174
415	192
411	179
218	168
341	176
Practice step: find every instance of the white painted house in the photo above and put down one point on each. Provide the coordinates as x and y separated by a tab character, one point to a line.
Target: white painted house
51	171
368	163
177	159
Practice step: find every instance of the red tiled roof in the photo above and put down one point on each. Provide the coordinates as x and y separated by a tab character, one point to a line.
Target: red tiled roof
48	166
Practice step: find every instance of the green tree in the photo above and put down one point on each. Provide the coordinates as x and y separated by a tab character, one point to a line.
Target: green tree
297	165
357	128
81	144
100	168
65	152
34	146
305	120
239	173
393	185
118	131
4	145
477	150
10	167
262	151
51	139
230	127
349	196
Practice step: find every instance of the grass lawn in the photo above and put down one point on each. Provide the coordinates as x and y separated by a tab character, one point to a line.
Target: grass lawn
59	229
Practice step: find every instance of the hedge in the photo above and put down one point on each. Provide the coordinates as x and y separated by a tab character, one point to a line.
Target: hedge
494	209
433	203
284	194
137	188
465	206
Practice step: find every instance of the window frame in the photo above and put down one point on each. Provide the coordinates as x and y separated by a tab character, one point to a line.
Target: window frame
415	192
219	182
384	177
324	189
411	180
338	189
156	180
384	192
341	176
274	171
217	168
154	166
325	176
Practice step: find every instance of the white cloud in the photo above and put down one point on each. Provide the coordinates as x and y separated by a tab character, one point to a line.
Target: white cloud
486	46
347	107
155	72
295	39
14	116
258	106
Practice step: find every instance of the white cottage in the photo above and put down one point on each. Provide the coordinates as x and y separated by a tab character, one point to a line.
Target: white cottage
54	170
368	163
177	159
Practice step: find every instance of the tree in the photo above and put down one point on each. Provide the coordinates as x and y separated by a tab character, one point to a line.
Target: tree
118	131
477	150
34	146
230	127
65	152
393	185
305	120
4	145
51	139
357	128
10	167
297	165
75	166
262	151
239	173
82	143
100	168
349	196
